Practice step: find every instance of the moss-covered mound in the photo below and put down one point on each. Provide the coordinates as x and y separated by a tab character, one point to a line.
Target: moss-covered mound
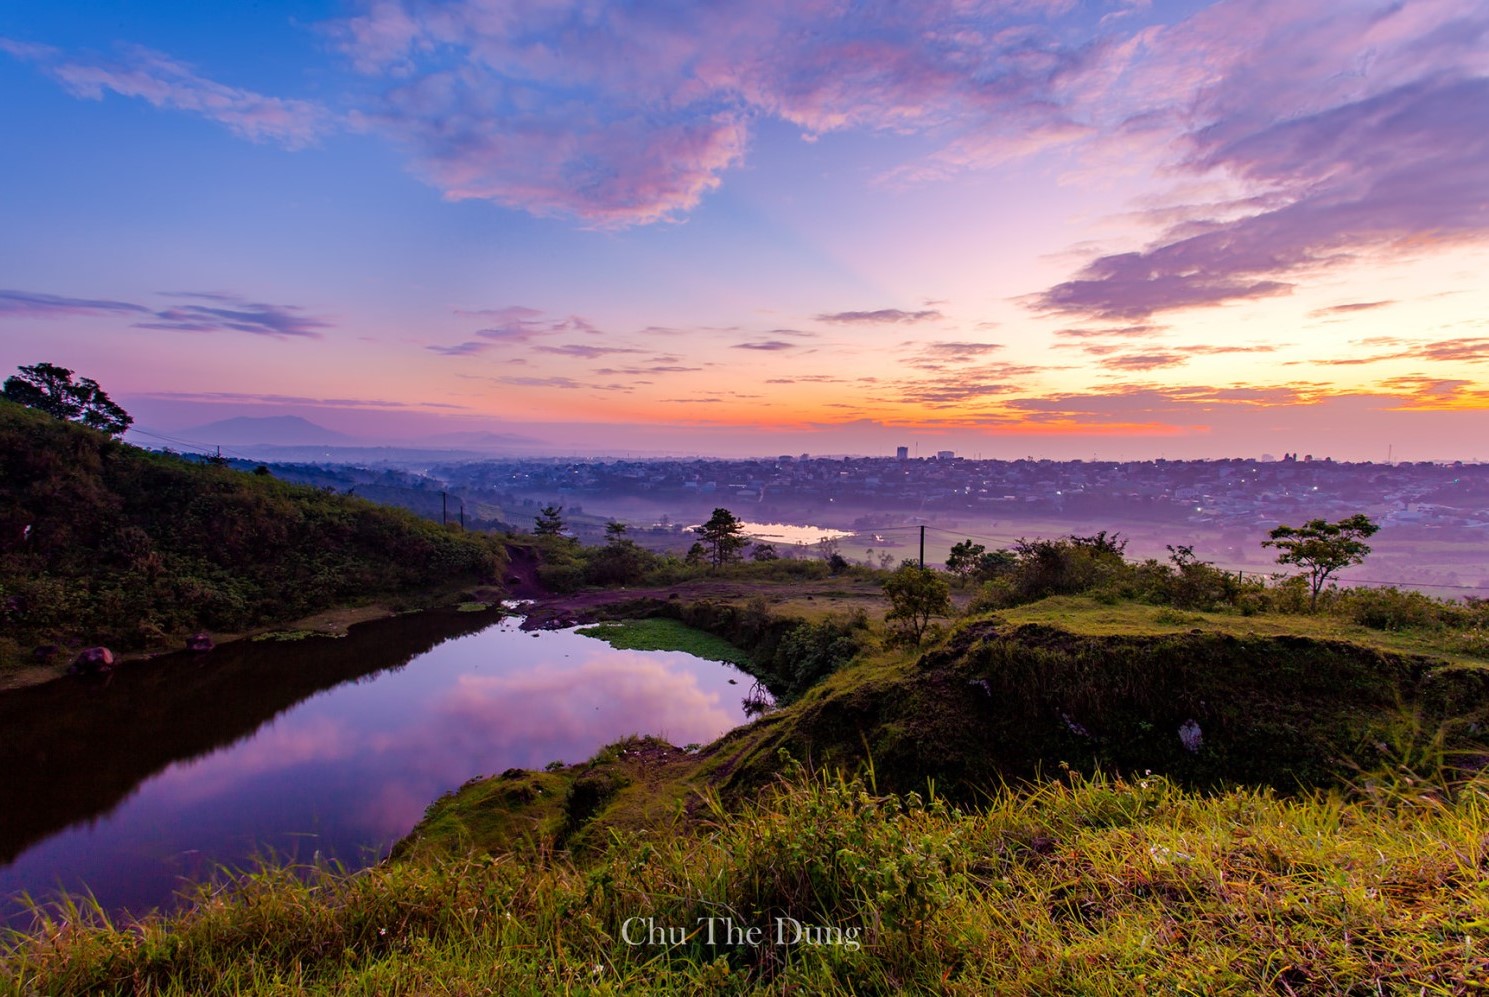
999	702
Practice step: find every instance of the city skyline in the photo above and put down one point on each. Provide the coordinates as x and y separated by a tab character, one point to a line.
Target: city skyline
1033	227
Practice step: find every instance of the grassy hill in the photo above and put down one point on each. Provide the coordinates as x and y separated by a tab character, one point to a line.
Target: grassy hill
908	826
104	543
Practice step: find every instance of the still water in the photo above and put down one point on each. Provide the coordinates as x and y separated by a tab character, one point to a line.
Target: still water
325	746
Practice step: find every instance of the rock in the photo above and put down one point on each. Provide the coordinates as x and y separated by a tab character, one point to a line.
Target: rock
199	642
93	659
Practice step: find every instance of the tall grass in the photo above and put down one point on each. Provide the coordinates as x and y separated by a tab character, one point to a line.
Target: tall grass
1070	886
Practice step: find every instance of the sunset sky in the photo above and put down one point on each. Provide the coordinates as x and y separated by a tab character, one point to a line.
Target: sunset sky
1062	228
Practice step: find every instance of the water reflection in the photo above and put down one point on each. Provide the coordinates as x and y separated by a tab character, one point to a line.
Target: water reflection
120	787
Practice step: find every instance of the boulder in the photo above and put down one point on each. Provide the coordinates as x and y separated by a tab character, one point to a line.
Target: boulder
93	659
199	642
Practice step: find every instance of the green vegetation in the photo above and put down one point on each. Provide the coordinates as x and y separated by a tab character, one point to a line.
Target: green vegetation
104	543
1321	548
661	634
51	389
723	537
980	815
1081	885
916	596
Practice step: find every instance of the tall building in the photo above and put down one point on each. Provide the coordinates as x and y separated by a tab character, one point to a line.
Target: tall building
901	453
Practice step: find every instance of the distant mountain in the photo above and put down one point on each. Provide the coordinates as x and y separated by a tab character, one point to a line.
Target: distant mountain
276	430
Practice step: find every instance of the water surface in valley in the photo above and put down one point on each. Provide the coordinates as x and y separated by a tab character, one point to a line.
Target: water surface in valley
325	746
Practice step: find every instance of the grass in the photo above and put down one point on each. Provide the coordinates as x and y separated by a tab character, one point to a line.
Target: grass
661	634
916	862
1081	885
1085	615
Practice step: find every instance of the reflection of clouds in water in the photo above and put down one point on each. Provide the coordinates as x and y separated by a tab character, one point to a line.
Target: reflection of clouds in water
281	746
479	724
567	712
393	807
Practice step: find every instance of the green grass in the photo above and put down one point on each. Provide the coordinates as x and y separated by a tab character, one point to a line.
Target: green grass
661	634
289	635
1091	886
1085	615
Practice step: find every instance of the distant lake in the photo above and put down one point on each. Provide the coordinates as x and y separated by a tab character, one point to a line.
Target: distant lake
785	533
329	746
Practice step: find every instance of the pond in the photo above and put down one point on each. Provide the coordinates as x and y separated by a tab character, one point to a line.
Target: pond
328	747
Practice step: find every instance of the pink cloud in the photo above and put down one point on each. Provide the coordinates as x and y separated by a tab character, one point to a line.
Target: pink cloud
630	114
164	82
1356	131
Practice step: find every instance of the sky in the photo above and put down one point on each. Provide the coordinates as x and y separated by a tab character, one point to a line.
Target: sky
1008	228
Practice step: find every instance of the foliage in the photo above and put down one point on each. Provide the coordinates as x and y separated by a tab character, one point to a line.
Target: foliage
1321	548
658	634
1090	885
101	542
549	521
51	389
723	537
916	595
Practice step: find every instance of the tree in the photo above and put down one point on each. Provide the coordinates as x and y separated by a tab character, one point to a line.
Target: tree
723	536
549	521
1321	548
964	559
51	389
615	531
916	595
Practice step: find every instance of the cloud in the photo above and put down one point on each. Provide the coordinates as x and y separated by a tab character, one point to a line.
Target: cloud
1349	133
278	321
768	346
883	316
1121	330
517	324
630	114
227	313
25	304
584	351
642	371
164	82
1145	361
1355	306
272	399
560	382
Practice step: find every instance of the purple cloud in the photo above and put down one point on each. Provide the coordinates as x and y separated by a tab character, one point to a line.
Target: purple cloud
630	114
279	321
1356	132
164	82
769	346
228	313
516	324
24	304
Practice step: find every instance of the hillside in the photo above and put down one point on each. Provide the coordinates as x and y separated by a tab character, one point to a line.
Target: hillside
1013	809
104	543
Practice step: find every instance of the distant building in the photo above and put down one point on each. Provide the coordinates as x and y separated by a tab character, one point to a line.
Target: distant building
945	454
901	453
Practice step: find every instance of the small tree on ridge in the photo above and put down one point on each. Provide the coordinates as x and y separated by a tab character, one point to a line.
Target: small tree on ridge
1321	548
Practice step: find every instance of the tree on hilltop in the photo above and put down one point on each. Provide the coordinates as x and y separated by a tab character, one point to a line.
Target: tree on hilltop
723	537
51	389
1321	548
549	522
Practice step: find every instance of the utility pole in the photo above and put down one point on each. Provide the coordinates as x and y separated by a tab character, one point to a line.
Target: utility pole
462	514
444	508
922	546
